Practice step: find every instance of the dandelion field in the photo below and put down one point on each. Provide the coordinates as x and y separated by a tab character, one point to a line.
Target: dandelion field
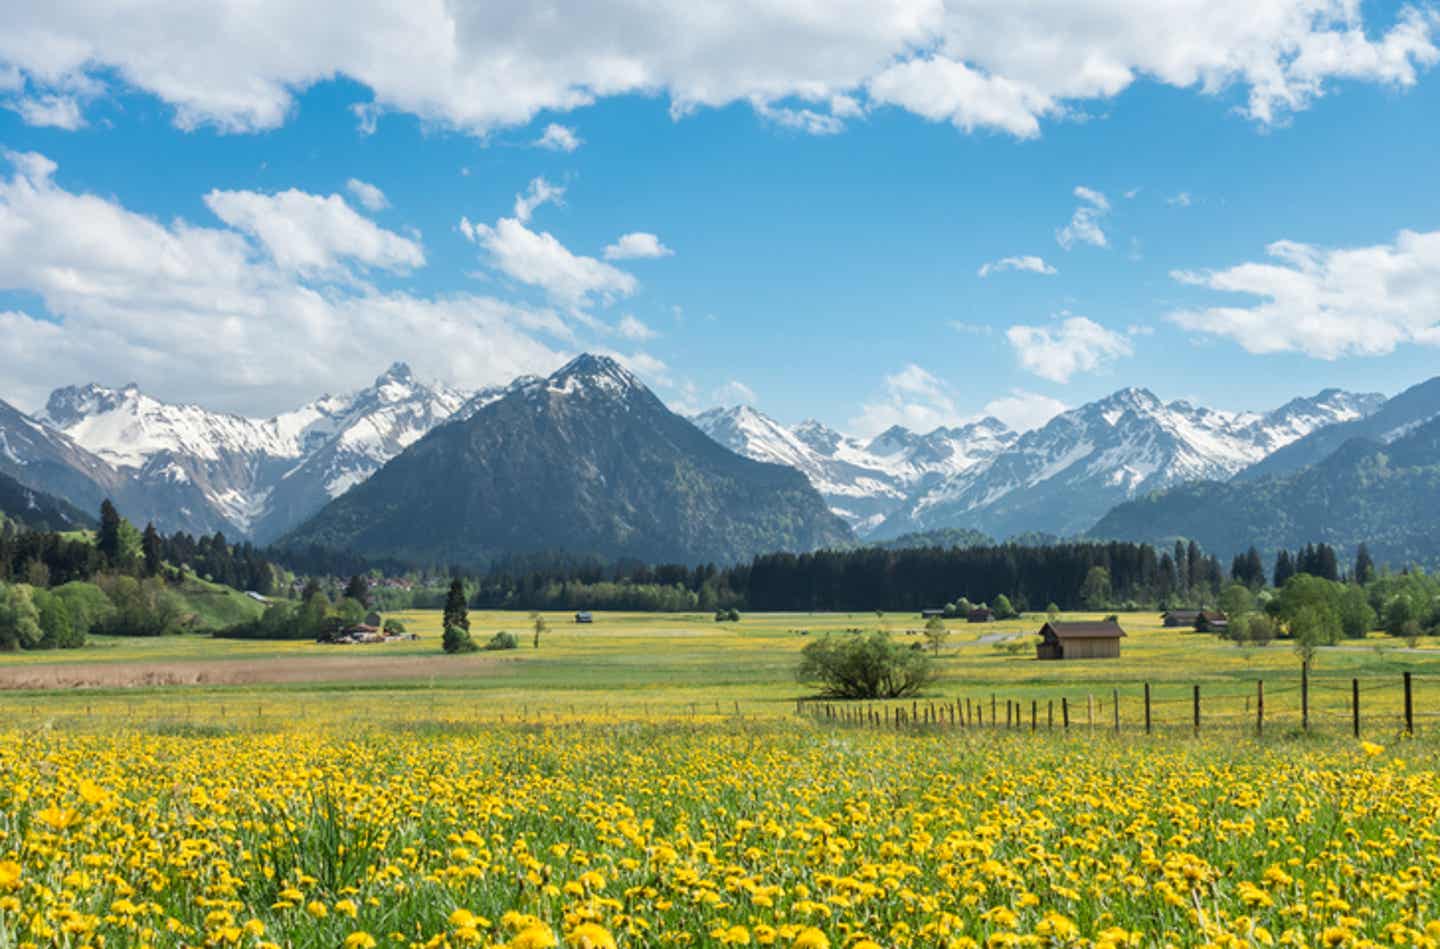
673	797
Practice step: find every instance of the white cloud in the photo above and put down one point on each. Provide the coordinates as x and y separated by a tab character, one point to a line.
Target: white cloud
804	120
734	392
1078	345
631	328
1084	225
538	193
972	329
192	313
637	245
1327	303
912	397
1181	200
996	65
370	197
314	234
559	138
1023	410
1026	263
51	111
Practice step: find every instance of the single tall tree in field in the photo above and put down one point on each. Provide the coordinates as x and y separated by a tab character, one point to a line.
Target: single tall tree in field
936	633
540	626
456	614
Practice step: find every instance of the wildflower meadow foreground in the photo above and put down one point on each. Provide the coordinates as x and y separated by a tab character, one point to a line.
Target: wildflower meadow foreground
776	834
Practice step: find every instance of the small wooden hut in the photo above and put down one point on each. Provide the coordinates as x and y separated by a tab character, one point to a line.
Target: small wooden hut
1080	640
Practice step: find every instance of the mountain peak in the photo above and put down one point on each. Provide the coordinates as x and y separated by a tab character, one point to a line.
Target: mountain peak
589	370
398	372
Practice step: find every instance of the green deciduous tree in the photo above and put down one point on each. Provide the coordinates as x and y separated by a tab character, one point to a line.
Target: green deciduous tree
936	633
863	666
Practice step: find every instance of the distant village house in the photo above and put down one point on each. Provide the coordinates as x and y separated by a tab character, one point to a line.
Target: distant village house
981	614
584	617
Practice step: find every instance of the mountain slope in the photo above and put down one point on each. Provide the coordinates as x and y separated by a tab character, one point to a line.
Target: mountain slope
48	461
861	482
27	507
587	461
1064	476
1395	417
1384	495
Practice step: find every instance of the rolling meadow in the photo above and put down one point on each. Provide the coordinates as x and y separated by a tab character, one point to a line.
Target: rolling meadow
650	780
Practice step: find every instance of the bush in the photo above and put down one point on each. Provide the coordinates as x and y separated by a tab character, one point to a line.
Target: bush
457	639
502	640
1003	609
393	627
731	615
867	666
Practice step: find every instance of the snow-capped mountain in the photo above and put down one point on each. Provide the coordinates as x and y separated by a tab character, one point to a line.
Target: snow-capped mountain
862	482
1064	476
248	476
586	460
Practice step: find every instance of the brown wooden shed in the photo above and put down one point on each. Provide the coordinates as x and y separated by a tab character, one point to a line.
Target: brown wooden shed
1080	640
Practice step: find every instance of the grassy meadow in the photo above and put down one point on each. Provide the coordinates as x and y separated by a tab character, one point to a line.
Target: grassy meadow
646	781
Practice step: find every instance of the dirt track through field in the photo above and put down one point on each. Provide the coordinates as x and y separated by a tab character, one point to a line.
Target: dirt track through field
110	675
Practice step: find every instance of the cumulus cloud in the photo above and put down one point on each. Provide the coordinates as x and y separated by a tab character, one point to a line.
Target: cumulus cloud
538	193
51	111
734	392
988	65
637	245
370	197
1077	345
1327	303
1023	410
193	312
538	259
1084	226
314	234
632	328
912	397
559	138
1027	263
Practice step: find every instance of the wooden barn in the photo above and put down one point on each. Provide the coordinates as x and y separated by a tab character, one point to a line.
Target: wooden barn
932	614
1180	618
981	614
1211	621
1081	640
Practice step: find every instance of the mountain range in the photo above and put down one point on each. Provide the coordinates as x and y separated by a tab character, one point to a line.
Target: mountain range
552	479
1060	478
587	461
188	468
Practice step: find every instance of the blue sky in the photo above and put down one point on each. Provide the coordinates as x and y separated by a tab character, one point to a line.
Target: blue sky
814	247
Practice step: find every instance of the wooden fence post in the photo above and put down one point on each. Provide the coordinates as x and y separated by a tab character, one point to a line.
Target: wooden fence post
1197	709
1115	707
1147	708
1409	707
1355	705
1065	711
1259	706
992	709
1305	696
1034	713
1090	710
1050	715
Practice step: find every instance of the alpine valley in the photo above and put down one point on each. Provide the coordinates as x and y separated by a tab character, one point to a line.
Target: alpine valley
590	461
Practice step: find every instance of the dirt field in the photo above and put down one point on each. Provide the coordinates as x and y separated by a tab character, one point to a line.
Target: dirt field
109	675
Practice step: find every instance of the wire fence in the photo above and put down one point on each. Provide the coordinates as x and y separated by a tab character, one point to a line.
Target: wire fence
1376	705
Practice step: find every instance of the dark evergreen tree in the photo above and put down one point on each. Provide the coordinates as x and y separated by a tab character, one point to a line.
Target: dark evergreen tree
150	546
1327	565
108	540
1364	566
358	589
456	613
1284	568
